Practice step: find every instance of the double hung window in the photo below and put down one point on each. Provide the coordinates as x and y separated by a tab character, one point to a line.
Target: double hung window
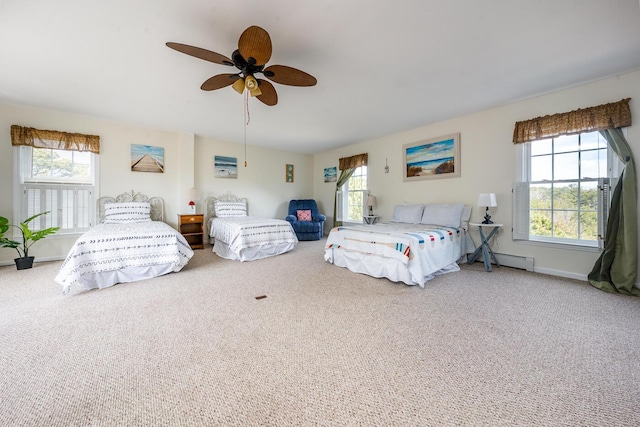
564	189
352	197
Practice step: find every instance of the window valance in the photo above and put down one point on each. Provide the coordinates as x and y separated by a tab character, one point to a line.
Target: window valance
54	139
605	116
353	161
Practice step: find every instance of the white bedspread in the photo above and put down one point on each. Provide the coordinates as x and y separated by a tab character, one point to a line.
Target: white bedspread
145	249
411	253
247	238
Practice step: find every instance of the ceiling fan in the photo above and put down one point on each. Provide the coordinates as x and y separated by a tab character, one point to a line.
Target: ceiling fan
253	53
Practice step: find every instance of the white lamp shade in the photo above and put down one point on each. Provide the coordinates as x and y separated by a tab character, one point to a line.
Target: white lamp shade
371	201
192	194
487	199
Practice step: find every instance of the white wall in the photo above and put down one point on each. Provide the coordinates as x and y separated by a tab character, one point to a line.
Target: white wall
488	164
262	182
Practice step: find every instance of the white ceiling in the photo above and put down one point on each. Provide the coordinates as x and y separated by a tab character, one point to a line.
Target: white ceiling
382	66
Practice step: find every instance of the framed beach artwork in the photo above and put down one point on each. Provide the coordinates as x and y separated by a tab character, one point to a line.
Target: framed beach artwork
432	159
330	174
225	167
288	173
145	158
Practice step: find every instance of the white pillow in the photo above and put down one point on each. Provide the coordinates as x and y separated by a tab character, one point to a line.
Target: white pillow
119	213
230	209
410	214
445	215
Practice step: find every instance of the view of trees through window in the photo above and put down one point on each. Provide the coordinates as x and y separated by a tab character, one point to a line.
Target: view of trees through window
48	163
564	185
356	188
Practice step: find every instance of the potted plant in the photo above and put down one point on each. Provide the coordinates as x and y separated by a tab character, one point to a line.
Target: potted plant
29	237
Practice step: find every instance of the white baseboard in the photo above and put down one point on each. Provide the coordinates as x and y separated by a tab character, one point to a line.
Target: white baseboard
560	273
526	263
523	263
38	259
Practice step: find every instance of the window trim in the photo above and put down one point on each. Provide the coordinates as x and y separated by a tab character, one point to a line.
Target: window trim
520	195
19	180
342	198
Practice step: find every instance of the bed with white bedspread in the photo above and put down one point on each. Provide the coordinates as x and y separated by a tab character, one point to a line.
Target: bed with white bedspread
130	242
418	244
237	236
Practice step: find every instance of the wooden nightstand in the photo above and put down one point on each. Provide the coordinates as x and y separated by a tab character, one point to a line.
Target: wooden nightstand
191	226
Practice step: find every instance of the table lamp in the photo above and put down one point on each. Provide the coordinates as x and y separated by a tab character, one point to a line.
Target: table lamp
192	194
489	201
371	202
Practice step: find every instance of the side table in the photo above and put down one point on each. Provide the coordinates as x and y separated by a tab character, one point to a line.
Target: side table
191	226
485	246
370	219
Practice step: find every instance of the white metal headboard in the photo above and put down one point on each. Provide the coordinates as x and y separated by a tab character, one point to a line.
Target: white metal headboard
209	203
157	204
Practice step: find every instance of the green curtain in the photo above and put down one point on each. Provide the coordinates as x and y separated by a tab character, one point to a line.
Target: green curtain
615	270
345	174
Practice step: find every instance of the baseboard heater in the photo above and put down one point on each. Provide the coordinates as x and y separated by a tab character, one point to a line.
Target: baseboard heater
521	262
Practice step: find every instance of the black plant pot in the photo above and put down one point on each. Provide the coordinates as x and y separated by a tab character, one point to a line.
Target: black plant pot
24	263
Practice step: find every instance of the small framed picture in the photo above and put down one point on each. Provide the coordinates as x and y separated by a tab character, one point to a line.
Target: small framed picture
288	173
330	174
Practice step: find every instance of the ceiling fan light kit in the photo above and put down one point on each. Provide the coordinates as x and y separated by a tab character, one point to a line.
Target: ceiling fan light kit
254	51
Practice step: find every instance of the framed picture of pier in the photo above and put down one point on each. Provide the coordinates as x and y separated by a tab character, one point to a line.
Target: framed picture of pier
145	158
432	159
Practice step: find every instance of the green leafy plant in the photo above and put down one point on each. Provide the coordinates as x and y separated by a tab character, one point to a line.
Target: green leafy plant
28	237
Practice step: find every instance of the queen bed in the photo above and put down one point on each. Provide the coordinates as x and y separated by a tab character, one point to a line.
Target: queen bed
130	242
419	243
237	236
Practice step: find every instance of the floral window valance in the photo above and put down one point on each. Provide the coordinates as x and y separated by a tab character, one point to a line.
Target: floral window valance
605	116
353	161
54	139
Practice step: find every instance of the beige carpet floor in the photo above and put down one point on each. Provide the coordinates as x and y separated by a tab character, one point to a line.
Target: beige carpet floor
326	347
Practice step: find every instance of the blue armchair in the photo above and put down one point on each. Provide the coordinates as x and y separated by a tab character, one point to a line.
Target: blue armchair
310	229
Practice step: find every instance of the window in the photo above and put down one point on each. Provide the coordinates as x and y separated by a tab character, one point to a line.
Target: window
59	181
563	195
352	197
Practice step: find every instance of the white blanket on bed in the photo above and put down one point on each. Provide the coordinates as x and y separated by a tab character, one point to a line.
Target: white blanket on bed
421	249
247	232
112	247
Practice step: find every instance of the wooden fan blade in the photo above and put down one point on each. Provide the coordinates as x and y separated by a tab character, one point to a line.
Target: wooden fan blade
269	95
255	45
219	81
289	76
198	52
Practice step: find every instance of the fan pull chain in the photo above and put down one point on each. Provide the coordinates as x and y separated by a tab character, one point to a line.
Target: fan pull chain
246	123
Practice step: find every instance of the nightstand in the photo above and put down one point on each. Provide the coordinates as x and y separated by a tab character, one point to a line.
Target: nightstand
191	226
485	246
370	219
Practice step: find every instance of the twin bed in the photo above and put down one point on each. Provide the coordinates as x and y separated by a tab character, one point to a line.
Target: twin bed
130	242
420	242
237	236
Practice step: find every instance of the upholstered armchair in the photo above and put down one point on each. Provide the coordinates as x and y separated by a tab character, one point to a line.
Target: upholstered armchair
305	219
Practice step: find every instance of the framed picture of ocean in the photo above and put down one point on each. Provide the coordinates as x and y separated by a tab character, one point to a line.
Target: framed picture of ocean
225	167
432	159
330	174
